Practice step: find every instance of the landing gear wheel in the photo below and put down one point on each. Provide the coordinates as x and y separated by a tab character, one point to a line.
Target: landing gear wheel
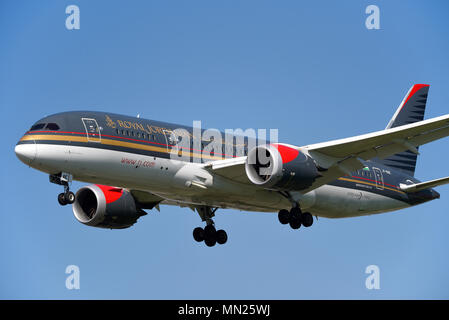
210	235
198	234
210	242
307	219
61	199
69	197
284	216
209	231
295	223
221	236
295	218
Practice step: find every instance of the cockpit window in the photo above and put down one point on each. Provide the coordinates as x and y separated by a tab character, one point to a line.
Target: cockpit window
52	126
37	126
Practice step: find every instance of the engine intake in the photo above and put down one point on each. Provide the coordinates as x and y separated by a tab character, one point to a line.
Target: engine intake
279	167
106	207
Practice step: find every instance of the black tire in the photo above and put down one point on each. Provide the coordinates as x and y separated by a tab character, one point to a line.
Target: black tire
295	223
198	234
295	218
284	216
210	242
210	235
61	199
222	237
69	197
209	231
307	219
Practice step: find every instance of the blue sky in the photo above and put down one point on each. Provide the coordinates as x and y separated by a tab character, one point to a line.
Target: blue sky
310	69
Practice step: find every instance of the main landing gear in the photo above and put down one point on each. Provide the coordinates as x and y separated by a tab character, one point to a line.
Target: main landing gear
64	179
295	218
210	235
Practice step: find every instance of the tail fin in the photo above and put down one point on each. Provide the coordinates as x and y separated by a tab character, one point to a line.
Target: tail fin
410	110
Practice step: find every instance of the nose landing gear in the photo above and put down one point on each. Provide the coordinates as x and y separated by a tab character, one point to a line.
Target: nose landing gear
64	179
67	197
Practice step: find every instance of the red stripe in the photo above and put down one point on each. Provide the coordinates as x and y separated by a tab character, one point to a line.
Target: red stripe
375	181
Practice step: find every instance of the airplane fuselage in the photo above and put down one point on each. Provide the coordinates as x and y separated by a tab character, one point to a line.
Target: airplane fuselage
128	152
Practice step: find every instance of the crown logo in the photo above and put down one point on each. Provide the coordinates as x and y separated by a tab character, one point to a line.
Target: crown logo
110	122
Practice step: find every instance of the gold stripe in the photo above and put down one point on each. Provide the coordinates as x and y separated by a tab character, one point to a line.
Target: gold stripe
53	137
111	142
370	184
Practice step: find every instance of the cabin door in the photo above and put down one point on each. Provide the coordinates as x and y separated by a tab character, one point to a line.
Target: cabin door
92	130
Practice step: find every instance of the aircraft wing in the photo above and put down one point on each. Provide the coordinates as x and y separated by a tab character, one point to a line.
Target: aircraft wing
340	157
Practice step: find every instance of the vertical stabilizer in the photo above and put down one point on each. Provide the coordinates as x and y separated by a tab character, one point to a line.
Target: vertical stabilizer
410	110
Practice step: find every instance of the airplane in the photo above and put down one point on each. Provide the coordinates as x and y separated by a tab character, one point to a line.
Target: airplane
133	165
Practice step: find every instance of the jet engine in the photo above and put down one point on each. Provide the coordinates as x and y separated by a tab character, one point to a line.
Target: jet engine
280	167
106	207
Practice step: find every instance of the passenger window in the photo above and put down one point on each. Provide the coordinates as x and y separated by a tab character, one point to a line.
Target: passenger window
37	126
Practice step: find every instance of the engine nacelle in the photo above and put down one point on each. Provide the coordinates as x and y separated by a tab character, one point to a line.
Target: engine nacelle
106	207
279	167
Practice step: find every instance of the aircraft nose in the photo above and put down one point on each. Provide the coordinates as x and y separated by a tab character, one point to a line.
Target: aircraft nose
26	152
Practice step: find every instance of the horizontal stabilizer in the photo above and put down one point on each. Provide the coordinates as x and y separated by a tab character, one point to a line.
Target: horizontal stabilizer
423	185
